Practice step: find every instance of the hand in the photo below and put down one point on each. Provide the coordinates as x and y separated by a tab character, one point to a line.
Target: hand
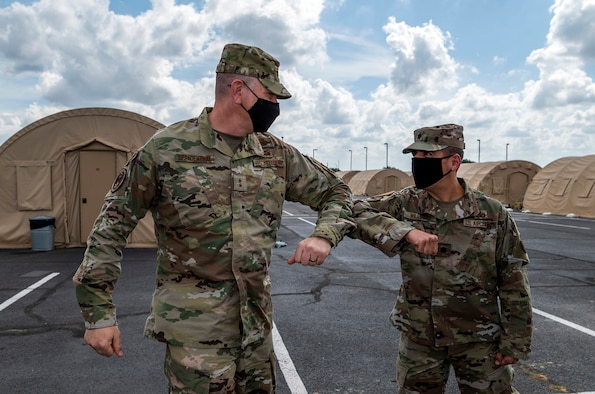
502	360
105	341
424	243
311	251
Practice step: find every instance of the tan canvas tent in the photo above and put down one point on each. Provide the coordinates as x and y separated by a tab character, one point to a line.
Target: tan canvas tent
346	175
506	181
373	182
564	187
61	166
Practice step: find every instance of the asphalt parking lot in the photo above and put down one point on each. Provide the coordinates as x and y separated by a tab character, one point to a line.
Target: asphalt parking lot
334	335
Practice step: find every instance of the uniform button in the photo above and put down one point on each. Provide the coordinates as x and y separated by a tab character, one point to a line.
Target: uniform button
439	335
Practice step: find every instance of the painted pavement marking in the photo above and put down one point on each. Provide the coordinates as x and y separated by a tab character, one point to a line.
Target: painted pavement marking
28	290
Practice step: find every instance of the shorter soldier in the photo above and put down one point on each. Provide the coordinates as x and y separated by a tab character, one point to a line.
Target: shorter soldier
465	297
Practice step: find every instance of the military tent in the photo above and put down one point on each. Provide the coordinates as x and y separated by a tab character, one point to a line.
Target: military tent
374	182
564	187
346	175
61	167
505	181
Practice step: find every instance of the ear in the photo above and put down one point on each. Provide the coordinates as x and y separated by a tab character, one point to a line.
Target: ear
236	90
456	162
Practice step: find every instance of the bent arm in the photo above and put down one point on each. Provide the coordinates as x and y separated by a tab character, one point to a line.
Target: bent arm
312	184
388	234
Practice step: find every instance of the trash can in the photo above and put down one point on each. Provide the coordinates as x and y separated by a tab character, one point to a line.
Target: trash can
42	232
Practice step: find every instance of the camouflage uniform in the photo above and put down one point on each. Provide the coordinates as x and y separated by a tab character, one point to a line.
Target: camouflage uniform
472	294
227	370
217	214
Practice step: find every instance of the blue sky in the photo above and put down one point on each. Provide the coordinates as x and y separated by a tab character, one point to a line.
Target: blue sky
361	73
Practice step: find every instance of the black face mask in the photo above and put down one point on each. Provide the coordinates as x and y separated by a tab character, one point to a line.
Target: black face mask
263	113
427	170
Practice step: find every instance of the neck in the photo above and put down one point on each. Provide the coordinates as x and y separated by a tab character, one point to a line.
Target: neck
447	189
228	120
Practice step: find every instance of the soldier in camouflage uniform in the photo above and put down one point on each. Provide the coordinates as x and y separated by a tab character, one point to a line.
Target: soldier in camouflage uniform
465	297
215	186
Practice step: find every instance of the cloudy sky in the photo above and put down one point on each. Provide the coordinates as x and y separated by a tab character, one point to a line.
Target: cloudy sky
518	75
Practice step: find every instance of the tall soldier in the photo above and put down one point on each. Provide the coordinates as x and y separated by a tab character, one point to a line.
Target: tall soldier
465	298
215	186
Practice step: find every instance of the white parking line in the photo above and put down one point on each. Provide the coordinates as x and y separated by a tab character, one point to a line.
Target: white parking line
296	386
569	324
553	224
565	322
307	221
28	290
292	378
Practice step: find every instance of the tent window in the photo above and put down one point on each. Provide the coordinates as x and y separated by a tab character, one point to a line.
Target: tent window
559	186
586	190
34	186
498	185
540	186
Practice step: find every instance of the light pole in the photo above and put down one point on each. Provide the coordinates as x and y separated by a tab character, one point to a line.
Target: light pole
507	151
314	152
386	144
350	160
479	151
366	167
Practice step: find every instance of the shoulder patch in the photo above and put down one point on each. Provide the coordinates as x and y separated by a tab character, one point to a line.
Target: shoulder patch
119	181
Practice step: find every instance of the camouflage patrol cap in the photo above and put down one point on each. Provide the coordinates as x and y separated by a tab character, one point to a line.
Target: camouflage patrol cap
437	138
253	62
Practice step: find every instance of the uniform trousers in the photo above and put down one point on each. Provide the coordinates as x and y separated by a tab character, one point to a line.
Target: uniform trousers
424	369
225	371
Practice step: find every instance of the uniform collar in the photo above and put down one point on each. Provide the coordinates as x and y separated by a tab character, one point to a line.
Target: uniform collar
208	137
465	207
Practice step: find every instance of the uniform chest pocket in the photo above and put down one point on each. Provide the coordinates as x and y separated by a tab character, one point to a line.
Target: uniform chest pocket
483	234
475	242
268	202
188	193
